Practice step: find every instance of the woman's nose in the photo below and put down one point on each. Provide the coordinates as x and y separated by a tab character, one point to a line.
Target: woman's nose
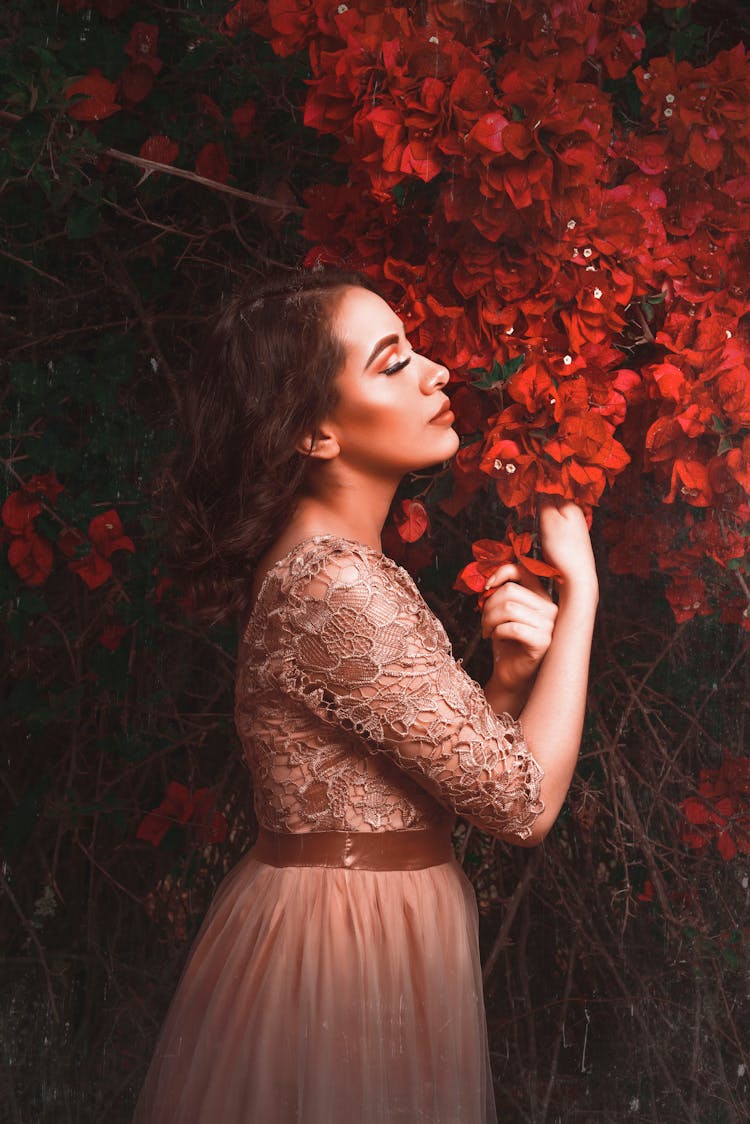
436	376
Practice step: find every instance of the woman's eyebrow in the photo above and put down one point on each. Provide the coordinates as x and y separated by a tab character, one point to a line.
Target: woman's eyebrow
381	345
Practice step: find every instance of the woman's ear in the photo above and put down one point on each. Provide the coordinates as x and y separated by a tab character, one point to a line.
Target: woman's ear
322	444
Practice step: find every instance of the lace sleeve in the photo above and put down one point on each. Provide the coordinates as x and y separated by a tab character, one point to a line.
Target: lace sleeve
360	648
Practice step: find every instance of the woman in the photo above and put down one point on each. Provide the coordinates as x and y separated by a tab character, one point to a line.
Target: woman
336	975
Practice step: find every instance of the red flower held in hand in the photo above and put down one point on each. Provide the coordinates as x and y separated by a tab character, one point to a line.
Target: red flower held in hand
489	555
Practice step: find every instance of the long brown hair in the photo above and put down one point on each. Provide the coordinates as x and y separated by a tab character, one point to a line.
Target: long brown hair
263	379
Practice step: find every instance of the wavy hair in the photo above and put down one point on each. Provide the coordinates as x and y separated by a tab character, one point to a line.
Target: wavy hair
262	380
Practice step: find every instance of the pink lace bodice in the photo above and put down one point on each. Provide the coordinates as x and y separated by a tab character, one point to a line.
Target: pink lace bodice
353	714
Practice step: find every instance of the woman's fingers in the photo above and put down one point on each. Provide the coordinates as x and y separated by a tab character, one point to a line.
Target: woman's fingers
533	639
516	603
512	572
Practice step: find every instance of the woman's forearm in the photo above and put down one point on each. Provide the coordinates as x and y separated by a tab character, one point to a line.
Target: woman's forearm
553	715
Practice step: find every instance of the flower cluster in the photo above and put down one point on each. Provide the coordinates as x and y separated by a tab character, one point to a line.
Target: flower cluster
31	553
720	811
181	807
93	97
596	262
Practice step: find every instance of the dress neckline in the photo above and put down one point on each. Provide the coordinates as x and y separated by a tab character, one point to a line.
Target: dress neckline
325	537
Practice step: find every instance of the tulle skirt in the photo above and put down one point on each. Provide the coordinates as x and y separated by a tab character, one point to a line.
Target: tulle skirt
328	996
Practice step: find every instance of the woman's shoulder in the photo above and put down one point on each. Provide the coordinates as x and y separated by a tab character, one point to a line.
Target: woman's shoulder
324	566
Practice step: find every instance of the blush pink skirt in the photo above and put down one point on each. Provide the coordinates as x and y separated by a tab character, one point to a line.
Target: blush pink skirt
322	991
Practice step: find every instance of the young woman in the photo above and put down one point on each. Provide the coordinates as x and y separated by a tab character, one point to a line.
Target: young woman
336	977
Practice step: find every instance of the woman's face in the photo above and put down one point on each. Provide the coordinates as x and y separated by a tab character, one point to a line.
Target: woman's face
391	416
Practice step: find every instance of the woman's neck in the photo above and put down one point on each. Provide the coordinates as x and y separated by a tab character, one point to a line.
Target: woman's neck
352	512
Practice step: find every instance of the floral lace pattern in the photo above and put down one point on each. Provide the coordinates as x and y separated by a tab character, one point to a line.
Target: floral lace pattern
353	714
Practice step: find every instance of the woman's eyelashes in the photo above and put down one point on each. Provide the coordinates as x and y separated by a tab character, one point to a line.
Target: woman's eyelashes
395	367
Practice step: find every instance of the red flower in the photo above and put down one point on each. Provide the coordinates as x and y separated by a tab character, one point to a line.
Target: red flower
212	163
20	510
212	825
721	810
159	148
412	520
252	14
210	108
175	808
111	636
243	119
142	46
106	533
44	484
489	555
31	557
180	806
93	569
136	83
98	100
112	9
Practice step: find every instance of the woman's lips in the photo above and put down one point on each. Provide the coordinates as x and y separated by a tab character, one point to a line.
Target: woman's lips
445	415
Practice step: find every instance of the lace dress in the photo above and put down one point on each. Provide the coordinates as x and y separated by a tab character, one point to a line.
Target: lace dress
342	992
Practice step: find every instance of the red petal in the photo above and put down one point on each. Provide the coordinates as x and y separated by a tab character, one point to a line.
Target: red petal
412	521
159	148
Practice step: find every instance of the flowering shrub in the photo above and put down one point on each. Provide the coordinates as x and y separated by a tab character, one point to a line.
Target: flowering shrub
556	197
572	226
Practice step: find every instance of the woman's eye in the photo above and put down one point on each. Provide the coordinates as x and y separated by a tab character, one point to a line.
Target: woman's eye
392	370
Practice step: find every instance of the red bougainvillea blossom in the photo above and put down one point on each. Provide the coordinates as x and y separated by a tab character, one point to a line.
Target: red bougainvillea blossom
412	520
142	46
243	119
212	163
105	537
720	811
490	555
30	554
582	272
159	148
182	807
98	100
112	636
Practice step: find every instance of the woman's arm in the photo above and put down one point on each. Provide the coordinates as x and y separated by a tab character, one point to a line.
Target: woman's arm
553	712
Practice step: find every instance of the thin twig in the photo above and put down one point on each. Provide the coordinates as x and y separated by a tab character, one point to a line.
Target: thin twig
35	941
151	166
522	886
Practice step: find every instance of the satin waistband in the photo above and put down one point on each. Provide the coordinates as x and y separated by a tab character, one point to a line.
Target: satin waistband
356	850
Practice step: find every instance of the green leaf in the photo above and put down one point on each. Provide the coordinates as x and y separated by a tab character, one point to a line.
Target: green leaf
83	221
27	702
499	374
